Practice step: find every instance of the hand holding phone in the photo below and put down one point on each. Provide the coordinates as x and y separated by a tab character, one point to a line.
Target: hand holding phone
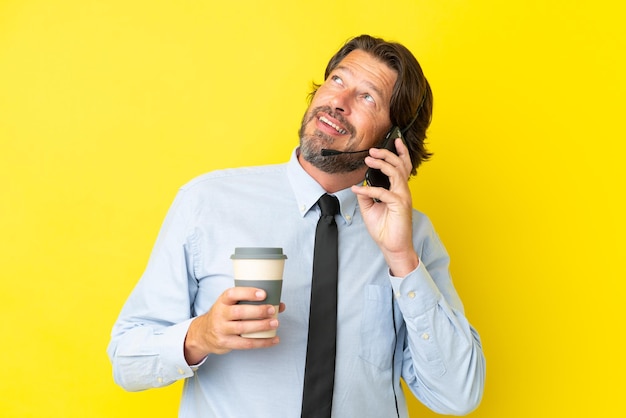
375	177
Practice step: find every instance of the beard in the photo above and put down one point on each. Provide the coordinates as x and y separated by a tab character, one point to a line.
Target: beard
311	145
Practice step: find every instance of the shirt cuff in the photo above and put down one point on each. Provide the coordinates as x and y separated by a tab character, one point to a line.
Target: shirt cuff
173	352
416	293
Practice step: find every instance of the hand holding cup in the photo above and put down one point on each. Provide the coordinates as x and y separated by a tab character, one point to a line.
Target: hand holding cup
261	268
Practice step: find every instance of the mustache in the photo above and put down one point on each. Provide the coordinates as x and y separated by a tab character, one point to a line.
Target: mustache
333	114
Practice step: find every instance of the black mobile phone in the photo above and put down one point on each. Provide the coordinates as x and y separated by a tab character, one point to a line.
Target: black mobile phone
375	177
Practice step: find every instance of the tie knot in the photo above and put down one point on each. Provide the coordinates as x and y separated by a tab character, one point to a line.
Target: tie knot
329	205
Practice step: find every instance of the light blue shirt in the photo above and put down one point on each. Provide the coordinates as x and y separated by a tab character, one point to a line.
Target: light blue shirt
388	327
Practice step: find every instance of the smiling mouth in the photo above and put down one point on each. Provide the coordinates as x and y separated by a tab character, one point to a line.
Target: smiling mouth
339	129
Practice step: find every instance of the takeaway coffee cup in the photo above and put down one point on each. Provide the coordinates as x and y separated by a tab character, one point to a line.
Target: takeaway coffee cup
260	267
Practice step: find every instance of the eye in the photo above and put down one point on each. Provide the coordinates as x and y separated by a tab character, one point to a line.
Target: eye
369	98
336	79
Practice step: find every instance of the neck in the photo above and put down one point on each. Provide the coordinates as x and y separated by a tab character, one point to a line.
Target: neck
332	182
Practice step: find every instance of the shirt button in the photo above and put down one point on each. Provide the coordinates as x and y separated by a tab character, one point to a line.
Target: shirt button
302	208
348	218
181	371
425	336
398	295
411	295
160	380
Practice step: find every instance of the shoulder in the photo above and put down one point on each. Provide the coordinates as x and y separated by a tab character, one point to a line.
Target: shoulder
234	176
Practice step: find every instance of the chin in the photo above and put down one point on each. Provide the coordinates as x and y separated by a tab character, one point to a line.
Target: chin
334	164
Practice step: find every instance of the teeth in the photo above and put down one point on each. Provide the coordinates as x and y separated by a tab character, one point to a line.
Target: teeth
329	123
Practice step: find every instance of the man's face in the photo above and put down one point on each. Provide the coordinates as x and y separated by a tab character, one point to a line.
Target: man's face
349	112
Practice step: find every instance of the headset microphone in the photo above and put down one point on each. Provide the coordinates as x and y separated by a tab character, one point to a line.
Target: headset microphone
328	152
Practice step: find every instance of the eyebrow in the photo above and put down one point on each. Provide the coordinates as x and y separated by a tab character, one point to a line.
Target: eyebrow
369	84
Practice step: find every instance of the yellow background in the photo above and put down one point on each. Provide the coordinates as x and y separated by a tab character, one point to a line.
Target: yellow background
106	107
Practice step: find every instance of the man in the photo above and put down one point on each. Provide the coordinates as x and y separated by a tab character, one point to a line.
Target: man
398	312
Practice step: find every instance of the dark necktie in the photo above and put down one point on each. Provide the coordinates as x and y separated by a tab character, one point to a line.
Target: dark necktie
319	375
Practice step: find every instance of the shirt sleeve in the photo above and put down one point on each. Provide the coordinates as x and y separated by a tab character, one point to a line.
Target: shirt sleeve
443	362
147	342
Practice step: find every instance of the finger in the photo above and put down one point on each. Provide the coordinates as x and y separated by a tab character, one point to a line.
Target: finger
401	147
237	342
252	326
403	153
239	319
242	312
238	293
381	155
243	343
382	159
369	196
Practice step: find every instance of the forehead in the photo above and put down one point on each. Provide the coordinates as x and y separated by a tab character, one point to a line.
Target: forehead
369	70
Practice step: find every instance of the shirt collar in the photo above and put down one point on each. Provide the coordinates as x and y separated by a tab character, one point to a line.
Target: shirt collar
308	191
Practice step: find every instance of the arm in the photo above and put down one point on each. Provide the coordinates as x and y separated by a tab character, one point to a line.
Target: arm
388	213
156	337
443	360
147	339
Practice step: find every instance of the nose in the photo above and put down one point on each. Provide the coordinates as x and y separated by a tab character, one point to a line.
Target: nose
340	102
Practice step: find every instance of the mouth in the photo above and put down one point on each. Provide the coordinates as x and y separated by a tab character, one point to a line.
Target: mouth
333	125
